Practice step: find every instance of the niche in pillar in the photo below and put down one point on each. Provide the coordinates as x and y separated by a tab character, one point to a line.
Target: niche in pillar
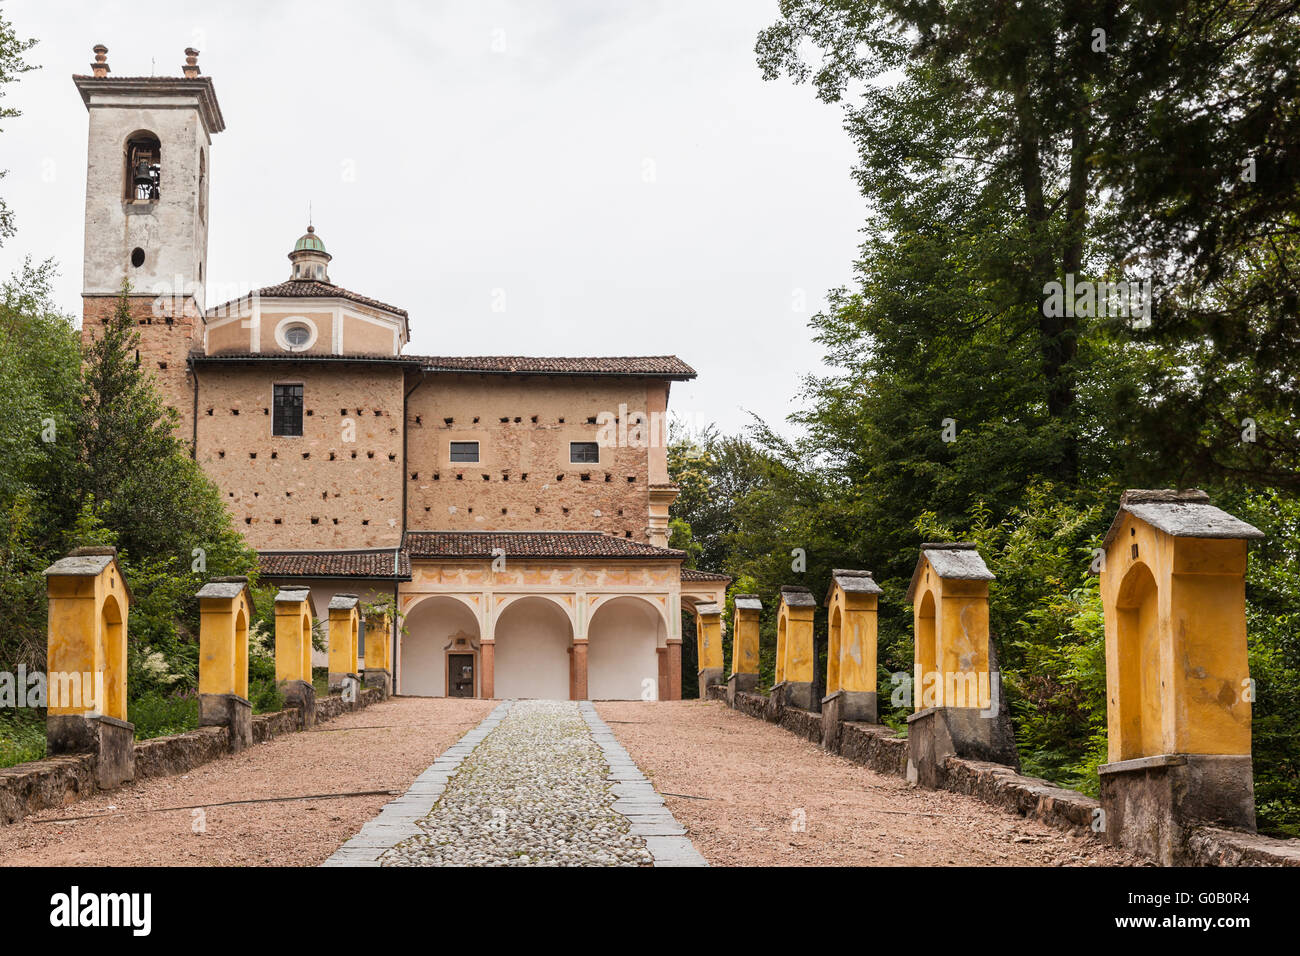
345	623
225	611
1178	688
89	603
293	651
744	647
850	651
794	648
959	707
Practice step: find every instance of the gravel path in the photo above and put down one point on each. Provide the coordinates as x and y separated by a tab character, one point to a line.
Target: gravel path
383	747
752	794
540	783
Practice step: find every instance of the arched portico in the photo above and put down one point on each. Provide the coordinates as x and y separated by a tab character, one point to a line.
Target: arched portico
533	639
623	638
441	640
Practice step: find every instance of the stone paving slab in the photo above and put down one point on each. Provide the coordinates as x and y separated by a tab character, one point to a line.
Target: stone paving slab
396	821
404	819
638	800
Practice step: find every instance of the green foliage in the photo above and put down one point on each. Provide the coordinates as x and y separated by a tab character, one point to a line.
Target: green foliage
157	714
22	737
1000	151
92	459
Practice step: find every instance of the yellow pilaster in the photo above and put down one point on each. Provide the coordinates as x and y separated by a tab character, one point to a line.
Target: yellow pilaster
379	643
851	605
345	624
744	639
949	595
795	637
1174	599
293	635
225	614
89	602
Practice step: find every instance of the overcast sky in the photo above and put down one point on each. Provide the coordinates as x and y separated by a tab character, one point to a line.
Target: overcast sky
616	173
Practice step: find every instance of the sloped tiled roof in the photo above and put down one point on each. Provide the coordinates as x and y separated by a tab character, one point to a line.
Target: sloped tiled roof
357	357
659	366
387	563
311	289
1182	514
530	544
691	574
953	560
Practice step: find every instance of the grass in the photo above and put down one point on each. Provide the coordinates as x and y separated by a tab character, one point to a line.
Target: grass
161	715
22	738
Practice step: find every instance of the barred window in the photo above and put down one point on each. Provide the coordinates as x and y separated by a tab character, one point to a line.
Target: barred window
287	420
584	453
464	451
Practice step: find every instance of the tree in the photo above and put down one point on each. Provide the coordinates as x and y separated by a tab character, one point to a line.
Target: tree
12	65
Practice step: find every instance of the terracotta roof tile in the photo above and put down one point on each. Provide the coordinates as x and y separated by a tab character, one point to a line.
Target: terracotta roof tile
388	564
691	574
311	289
530	544
662	366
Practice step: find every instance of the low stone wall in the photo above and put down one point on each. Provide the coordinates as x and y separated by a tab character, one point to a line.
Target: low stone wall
752	705
802	723
1211	846
165	756
52	782
60	781
1001	786
875	746
269	726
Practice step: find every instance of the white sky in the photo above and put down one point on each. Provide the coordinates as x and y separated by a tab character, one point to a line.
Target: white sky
453	149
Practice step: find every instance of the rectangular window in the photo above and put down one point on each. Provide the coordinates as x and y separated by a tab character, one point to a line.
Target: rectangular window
584	453
464	451
287	418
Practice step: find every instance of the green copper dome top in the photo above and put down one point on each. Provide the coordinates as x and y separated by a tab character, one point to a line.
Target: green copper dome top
310	242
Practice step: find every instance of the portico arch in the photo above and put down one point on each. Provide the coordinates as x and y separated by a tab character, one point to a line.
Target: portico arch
622	661
533	635
433	627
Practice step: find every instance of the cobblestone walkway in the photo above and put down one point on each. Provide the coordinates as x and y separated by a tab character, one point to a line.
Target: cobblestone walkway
538	783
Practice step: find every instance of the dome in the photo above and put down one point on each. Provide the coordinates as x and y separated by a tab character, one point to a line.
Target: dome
310	242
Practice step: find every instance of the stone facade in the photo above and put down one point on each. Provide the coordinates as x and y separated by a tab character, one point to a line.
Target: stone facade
339	485
328	441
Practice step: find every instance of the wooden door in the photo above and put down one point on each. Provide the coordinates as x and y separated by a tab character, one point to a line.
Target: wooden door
460	675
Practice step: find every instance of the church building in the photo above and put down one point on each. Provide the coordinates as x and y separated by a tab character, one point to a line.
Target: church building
514	509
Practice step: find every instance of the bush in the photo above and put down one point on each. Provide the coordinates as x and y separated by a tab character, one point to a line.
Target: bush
22	738
161	715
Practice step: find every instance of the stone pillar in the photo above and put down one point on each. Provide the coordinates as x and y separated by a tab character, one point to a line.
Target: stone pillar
487	674
379	650
708	628
344	625
225	615
293	651
794	648
744	647
850	653
89	602
579	665
674	668
661	688
959	706
1178	687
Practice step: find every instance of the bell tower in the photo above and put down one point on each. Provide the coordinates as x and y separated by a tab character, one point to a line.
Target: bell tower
147	174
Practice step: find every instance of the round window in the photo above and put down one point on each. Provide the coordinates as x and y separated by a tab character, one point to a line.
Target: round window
297	336
137	257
